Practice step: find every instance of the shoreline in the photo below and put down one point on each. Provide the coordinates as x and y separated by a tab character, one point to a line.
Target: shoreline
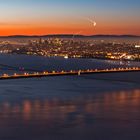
97	58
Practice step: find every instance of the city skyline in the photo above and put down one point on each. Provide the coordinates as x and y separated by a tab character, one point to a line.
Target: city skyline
40	17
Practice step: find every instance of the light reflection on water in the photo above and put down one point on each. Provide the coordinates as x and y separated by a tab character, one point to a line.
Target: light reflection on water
109	116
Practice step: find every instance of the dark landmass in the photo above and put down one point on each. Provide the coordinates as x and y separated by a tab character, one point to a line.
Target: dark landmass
70	36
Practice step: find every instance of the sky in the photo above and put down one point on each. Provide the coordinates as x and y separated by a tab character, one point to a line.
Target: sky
41	17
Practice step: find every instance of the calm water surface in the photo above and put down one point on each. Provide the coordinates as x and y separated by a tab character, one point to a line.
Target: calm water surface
109	116
10	63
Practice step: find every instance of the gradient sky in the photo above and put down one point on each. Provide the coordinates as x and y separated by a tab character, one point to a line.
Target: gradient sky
69	17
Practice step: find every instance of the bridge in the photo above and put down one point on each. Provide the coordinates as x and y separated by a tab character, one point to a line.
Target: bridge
64	73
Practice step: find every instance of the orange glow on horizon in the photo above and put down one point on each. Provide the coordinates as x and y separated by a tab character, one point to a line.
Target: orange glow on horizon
65	29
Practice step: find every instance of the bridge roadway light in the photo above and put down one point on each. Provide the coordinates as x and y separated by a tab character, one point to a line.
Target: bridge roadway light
15	74
44	72
26	74
62	71
53	72
36	73
5	75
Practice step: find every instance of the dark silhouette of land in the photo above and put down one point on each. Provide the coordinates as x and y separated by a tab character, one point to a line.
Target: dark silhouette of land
70	36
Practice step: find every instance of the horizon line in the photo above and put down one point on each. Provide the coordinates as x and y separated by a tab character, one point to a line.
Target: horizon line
84	35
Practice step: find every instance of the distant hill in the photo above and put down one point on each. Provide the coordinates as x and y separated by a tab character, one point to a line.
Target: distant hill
70	36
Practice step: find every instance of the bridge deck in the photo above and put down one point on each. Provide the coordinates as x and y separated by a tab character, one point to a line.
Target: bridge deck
64	73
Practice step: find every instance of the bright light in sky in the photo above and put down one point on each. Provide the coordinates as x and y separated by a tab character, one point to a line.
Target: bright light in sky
63	16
